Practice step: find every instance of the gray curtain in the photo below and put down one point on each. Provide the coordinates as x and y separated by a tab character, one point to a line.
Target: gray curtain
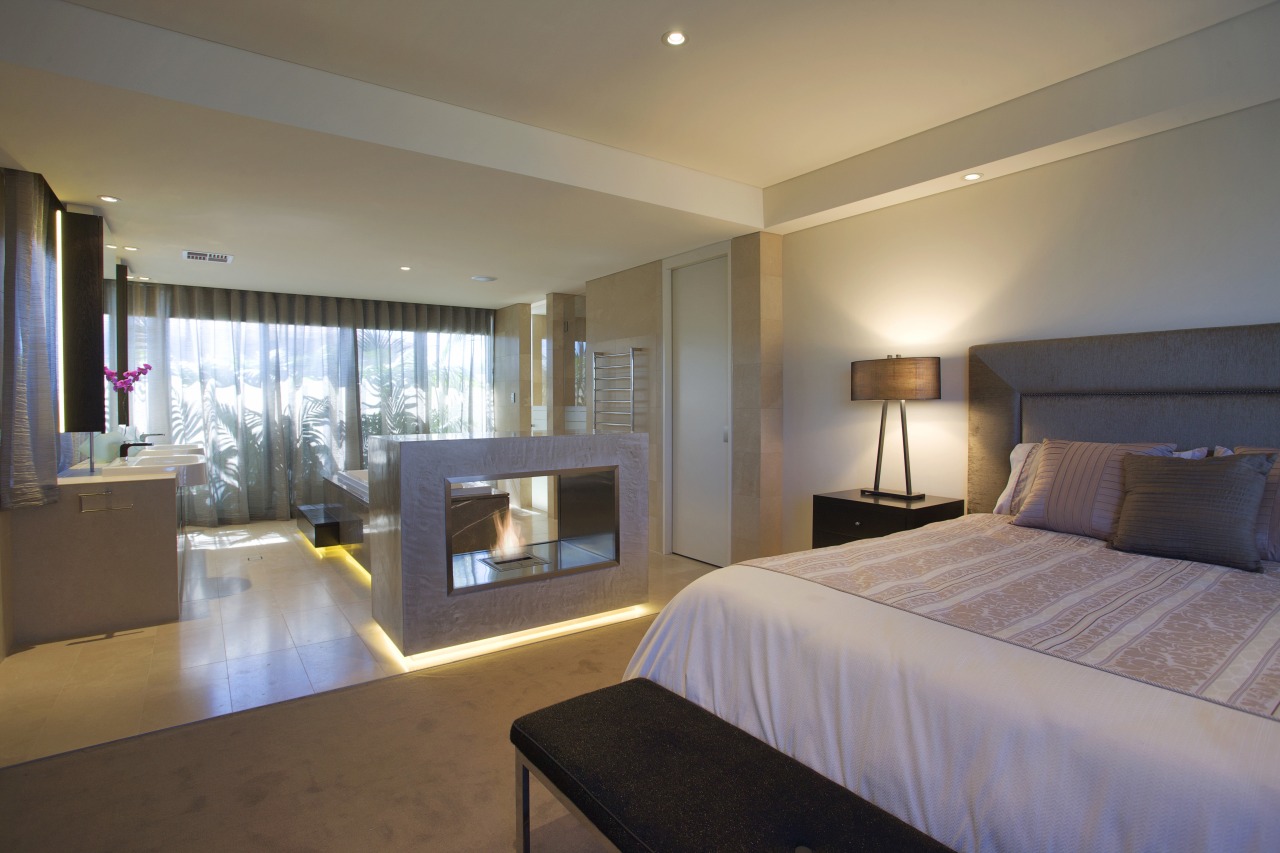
271	384
28	342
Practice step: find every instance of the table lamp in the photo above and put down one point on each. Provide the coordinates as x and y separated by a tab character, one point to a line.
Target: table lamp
901	379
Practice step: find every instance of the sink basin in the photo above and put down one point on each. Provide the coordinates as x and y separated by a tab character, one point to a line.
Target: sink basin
189	468
166	450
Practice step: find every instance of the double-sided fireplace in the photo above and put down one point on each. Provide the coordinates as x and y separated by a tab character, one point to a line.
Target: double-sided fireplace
473	538
511	528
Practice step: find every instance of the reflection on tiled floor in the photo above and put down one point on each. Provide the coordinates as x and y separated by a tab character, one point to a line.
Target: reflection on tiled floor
265	618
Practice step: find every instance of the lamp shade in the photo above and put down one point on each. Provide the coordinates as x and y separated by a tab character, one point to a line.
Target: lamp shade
896	379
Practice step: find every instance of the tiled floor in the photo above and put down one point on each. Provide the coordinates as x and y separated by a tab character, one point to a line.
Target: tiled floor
265	618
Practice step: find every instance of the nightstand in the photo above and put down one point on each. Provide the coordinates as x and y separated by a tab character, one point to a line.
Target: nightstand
840	517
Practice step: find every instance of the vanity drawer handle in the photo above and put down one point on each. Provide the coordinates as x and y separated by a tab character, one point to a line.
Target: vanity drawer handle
104	505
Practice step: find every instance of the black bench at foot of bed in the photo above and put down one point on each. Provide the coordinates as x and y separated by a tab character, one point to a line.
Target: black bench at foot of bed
652	771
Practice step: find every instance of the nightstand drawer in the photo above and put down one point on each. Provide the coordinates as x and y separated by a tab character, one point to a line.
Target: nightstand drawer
834	516
840	517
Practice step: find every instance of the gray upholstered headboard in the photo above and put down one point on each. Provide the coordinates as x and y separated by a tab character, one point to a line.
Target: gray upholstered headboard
1195	386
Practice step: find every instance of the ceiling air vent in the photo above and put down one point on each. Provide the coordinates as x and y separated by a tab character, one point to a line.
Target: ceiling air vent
211	257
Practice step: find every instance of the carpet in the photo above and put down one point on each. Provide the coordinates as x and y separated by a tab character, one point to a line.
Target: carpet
420	761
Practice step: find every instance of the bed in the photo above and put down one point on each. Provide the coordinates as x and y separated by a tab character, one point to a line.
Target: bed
1006	687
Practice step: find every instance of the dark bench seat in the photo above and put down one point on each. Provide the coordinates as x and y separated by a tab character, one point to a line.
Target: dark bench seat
652	771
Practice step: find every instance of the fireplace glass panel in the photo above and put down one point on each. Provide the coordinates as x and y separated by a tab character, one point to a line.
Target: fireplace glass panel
508	529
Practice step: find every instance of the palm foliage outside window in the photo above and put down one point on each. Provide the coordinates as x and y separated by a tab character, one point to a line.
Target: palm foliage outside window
283	390
419	382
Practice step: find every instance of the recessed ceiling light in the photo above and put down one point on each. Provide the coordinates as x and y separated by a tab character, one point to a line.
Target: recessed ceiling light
673	38
131	248
404	269
144	278
973	176
130	278
112	246
484	278
109	198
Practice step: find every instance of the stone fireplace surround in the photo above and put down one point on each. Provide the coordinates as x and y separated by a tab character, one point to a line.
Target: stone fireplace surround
409	480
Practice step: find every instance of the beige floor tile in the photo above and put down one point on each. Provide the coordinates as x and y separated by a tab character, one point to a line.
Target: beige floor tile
20	723
109	673
29	671
311	596
257	636
17	749
383	650
256	604
359	614
263	679
61	736
344	592
200	588
164	678
194	616
120	646
83	717
188	649
339	663
297	577
45	653
34	690
317	626
194	694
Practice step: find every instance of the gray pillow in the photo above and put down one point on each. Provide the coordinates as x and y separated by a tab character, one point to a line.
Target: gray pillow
1203	510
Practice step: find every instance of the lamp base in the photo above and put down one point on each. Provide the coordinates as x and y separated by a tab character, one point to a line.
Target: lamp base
890	493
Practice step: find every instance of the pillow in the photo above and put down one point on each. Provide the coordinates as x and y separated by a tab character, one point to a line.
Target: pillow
1078	487
1198	453
1203	510
1268	529
1023	463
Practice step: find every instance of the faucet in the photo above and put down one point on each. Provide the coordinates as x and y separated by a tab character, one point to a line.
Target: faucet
142	442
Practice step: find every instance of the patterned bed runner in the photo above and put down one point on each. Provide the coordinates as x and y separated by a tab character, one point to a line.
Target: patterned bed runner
1201	630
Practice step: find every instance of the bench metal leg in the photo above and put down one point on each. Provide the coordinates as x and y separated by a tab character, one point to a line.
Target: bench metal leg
522	804
523	841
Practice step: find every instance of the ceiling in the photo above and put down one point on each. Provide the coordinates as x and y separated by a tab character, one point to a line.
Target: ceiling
325	144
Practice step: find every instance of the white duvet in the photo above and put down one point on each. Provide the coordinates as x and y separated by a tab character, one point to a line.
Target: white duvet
982	744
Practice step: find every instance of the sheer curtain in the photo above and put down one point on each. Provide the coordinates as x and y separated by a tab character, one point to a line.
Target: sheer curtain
271	384
28	342
418	369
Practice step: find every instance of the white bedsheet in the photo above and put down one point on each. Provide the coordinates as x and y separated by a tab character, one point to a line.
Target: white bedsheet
982	744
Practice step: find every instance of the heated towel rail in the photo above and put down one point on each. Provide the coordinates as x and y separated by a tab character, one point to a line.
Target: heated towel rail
613	380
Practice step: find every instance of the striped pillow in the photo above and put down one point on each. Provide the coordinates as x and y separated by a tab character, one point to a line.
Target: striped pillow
1268	529
1078	488
1200	510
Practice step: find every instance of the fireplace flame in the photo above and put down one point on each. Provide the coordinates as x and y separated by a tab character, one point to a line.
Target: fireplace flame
509	545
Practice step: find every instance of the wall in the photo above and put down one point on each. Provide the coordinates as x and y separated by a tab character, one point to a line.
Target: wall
755	273
624	310
6	564
566	325
1176	230
512	327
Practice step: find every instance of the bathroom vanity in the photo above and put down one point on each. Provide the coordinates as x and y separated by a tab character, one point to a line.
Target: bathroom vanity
103	559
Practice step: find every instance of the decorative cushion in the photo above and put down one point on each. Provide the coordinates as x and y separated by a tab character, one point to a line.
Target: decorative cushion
1268	529
1197	453
1024	461
1203	510
1078	488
